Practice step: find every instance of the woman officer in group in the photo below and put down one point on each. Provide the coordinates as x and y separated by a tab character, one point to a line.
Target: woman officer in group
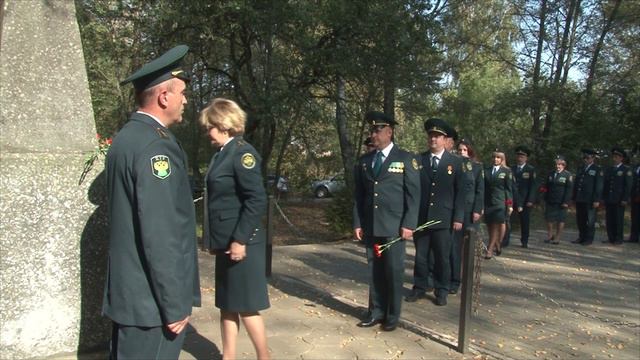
557	194
235	203
498	201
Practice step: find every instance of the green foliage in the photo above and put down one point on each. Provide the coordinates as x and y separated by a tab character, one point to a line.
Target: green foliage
339	213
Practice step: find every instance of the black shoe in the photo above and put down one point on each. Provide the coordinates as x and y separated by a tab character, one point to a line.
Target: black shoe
577	241
415	295
617	243
441	300
525	246
453	291
586	243
498	252
369	322
389	326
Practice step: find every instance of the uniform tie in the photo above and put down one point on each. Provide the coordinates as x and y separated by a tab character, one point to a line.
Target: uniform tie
434	164
377	164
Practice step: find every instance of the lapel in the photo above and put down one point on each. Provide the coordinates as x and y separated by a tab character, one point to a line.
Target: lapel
365	163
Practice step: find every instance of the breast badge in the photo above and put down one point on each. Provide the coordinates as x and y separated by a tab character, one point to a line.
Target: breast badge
414	163
396	167
449	169
248	161
161	166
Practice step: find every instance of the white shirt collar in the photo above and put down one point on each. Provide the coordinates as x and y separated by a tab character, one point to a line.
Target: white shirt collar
151	116
225	143
438	155
387	150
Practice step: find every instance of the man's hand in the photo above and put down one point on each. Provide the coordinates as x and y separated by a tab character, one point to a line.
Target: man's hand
406	234
476	217
178	326
457	226
529	204
596	204
564	205
357	233
520	209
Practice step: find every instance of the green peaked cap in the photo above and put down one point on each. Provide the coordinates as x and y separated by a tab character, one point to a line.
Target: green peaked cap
163	68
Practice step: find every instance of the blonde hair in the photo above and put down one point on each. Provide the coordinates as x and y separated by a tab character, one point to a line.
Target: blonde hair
223	114
502	156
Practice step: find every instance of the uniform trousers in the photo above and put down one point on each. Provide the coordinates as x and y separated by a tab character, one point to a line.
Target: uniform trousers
615	222
386	279
153	343
635	221
455	260
586	221
439	241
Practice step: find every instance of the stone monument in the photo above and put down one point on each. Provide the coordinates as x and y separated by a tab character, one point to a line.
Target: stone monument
52	229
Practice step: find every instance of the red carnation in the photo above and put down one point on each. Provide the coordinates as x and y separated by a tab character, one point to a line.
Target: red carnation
109	141
508	202
376	250
543	189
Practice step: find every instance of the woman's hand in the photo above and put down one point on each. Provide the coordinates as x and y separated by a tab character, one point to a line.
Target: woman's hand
237	251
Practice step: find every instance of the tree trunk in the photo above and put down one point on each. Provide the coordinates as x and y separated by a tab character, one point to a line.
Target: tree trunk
596	52
346	147
535	85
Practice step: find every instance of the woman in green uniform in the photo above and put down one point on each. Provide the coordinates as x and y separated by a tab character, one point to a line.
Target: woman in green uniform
235	203
498	200
558	188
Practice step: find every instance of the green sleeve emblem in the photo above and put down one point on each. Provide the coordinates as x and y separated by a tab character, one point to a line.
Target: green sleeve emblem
161	166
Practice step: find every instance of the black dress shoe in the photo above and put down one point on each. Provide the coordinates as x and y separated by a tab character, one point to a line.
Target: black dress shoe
441	300
369	322
525	246
415	295
577	241
586	243
453	291
390	326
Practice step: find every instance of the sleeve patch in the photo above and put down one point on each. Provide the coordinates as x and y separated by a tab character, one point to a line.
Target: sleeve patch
248	161
160	166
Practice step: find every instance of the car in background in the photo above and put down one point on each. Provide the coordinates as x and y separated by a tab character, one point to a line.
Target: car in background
282	184
328	187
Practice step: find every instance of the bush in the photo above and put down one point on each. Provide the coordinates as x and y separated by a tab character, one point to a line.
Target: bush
339	213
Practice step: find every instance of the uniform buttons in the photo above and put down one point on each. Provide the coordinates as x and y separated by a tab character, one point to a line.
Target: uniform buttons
375	182
375	206
375	194
433	184
432	194
431	204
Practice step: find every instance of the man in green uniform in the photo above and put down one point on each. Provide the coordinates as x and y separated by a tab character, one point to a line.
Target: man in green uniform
587	192
387	191
152	278
524	192
618	180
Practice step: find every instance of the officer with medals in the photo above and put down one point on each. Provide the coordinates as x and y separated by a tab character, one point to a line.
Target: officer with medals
616	194
559	188
442	199
387	191
236	201
152	277
524	192
587	193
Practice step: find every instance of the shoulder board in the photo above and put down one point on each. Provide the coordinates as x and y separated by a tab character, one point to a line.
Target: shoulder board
162	133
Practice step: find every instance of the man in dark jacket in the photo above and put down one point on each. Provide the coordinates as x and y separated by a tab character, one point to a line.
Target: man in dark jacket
587	192
635	205
617	191
442	199
152	277
524	192
387	191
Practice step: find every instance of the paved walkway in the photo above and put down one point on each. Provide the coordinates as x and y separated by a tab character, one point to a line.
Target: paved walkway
547	302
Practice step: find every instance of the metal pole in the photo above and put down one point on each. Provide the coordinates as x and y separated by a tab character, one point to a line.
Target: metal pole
469	242
269	242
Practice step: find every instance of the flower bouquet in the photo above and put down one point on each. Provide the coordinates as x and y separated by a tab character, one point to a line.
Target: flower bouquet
101	150
379	248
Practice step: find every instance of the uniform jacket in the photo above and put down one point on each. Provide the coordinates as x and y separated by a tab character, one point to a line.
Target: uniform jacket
559	188
384	204
498	188
617	184
235	197
587	187
525	189
152	276
474	190
443	196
